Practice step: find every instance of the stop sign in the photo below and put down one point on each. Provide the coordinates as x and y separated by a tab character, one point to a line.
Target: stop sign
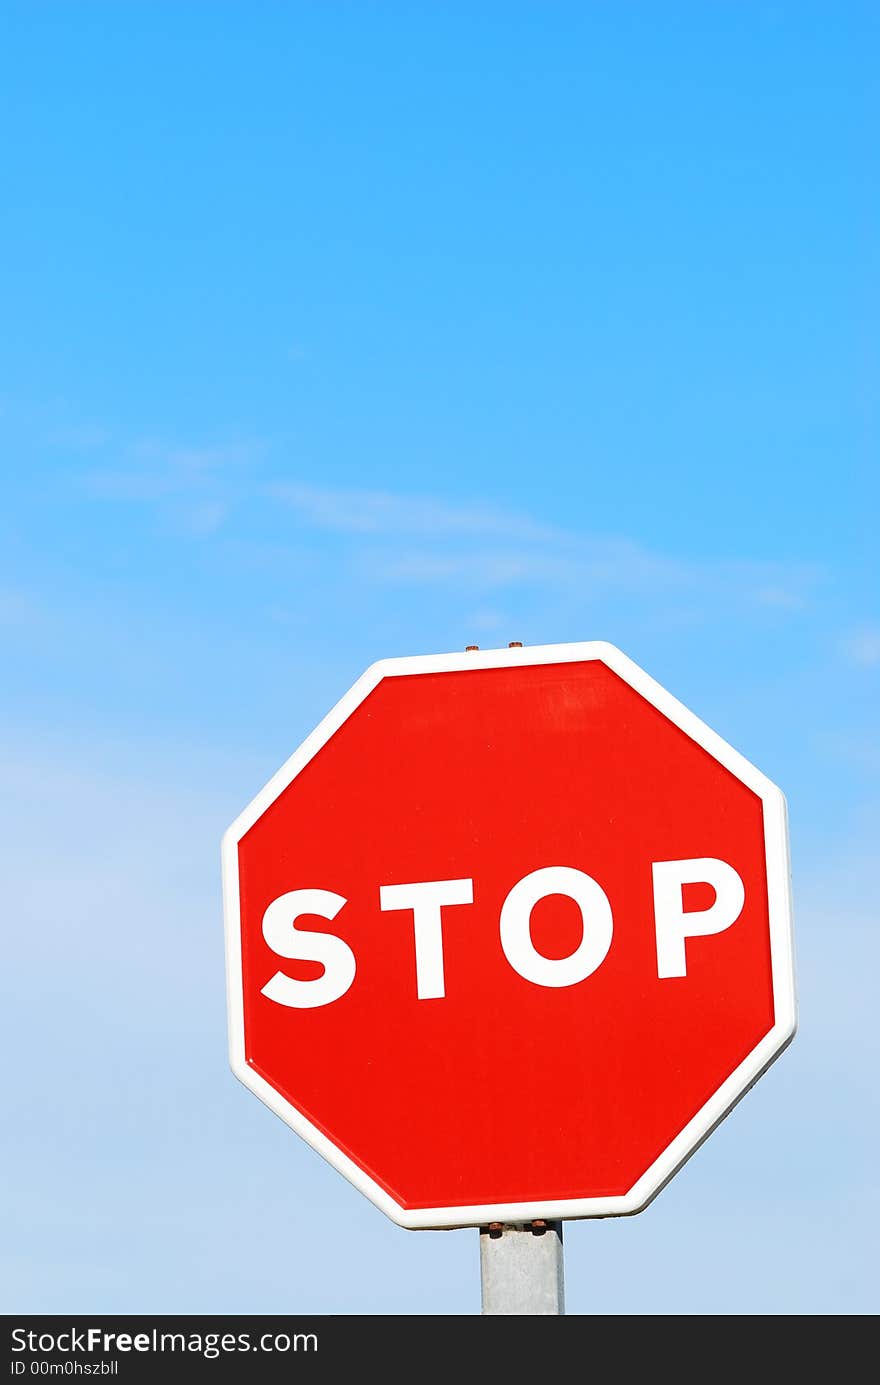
508	935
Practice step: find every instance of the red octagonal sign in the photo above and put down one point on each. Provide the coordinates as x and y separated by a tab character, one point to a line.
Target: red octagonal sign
508	935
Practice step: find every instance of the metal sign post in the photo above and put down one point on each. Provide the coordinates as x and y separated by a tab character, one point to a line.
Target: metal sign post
521	1269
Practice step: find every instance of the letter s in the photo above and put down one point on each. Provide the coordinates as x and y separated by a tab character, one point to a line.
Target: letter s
285	939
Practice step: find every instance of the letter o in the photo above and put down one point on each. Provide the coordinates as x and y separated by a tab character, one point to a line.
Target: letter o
516	938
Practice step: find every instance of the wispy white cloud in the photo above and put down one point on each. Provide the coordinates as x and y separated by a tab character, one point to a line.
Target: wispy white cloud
782	598
488	619
195	517
862	646
81	437
594	565
385	512
193	489
776	585
421	539
16	608
487	569
189	462
148	470
861	752
130	483
404	538
588	564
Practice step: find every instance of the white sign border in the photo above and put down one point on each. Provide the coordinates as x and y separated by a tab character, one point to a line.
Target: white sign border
780	921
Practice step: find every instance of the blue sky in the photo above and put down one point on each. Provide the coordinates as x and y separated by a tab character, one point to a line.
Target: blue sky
335	332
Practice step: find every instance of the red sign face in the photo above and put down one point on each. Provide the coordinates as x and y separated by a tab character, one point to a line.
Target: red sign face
508	935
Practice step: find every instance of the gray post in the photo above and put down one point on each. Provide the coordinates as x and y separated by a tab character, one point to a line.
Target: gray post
521	1268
